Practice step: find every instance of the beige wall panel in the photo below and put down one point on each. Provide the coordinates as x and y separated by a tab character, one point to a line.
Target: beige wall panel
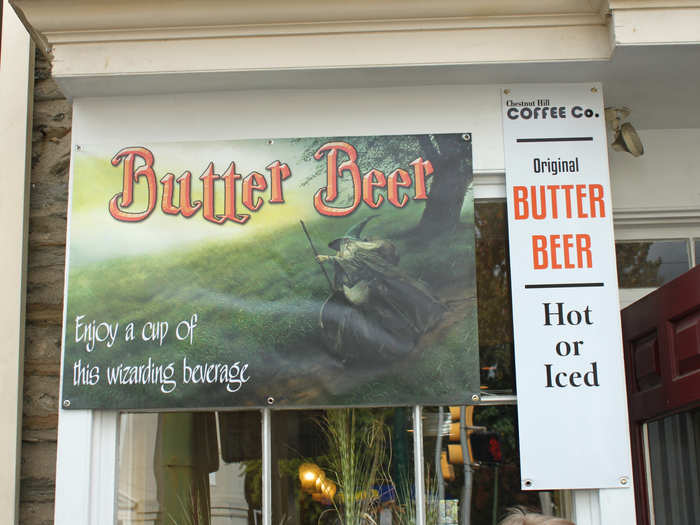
68	15
343	50
657	26
667	176
15	78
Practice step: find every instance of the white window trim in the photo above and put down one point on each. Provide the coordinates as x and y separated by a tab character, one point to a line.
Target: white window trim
16	89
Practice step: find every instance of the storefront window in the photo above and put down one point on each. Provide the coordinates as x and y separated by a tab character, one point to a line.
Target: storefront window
350	466
190	468
674	457
493	298
343	466
647	264
477	491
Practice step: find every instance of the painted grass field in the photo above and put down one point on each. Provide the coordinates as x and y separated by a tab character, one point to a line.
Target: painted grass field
257	302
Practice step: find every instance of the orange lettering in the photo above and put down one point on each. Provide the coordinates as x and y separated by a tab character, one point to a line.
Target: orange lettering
230	177
520	206
539	251
129	156
596	195
333	171
278	172
421	170
583	247
580	195
404	182
253	182
373	179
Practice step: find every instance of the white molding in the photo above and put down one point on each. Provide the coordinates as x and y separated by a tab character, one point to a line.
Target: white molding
489	184
91	39
330	51
73	467
320	28
617	506
586	509
619	5
54	16
16	90
604	506
104	467
657	216
657	25
86	468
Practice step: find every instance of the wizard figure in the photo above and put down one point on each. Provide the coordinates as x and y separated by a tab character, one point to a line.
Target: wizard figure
376	310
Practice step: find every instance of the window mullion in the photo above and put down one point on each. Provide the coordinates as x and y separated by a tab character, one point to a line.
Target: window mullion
266	467
418	464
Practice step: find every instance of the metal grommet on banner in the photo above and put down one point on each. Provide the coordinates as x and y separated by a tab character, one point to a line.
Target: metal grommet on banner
527	482
270	142
270	400
594	90
624	480
506	91
476	398
467	137
78	147
66	403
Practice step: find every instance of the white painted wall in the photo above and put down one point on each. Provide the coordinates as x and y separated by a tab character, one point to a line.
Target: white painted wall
666	176
16	80
299	113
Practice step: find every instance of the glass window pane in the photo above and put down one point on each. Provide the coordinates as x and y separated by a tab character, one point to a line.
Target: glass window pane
674	450
493	298
190	468
489	482
342	466
697	252
650	263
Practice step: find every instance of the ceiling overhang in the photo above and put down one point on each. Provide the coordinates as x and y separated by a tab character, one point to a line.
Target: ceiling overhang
639	49
93	37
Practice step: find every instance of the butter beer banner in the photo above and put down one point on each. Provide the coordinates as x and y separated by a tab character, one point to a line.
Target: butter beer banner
298	272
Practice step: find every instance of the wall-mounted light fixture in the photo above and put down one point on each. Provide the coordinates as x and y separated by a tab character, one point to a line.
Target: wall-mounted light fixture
626	137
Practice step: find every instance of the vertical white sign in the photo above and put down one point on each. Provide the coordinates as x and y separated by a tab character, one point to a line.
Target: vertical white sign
572	408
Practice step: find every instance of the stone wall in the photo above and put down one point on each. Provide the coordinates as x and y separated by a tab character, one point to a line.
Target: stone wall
48	203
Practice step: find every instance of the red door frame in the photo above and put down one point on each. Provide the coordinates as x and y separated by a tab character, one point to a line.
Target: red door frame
661	334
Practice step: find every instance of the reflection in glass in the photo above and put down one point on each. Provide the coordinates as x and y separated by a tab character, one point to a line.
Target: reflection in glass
674	455
649	264
493	298
479	490
188	468
344	466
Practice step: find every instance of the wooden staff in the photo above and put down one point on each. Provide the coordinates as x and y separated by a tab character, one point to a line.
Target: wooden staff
316	254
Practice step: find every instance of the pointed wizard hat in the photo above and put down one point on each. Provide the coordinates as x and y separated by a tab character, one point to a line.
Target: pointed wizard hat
352	233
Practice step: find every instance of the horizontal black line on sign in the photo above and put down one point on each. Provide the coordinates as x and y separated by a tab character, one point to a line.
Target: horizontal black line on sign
556	139
564	285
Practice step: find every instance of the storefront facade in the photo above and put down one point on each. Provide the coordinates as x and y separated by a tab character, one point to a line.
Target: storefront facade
203	73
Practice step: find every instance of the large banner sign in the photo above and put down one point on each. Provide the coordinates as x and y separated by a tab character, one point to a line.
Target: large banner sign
289	272
572	409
